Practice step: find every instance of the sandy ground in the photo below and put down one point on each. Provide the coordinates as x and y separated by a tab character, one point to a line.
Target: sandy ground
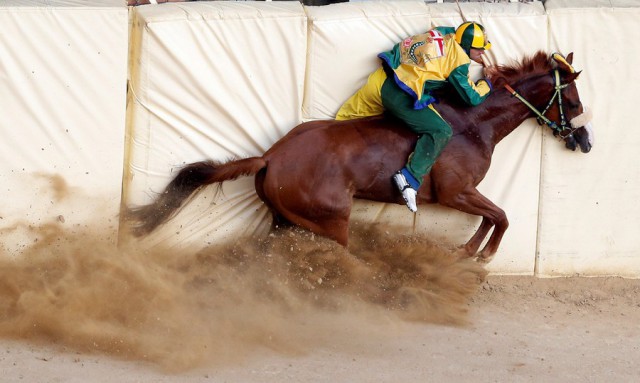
519	329
296	308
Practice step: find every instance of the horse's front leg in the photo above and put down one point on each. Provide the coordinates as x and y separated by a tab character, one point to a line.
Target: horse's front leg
472	202
471	247
501	224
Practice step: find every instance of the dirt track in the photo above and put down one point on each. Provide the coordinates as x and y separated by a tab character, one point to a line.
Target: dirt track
297	308
520	330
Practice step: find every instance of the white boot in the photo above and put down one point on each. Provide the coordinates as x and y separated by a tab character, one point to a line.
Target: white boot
408	193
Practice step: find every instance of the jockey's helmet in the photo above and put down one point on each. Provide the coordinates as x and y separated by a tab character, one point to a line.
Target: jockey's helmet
472	35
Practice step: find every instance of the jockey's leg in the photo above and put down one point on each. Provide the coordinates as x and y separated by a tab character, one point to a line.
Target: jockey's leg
428	147
434	131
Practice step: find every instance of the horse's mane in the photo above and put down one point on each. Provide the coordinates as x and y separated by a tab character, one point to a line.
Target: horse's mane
539	63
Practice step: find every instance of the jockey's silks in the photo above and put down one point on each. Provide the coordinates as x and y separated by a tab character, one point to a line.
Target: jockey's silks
423	63
402	86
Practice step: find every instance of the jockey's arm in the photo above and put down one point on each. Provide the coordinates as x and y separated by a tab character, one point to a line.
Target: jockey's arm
472	93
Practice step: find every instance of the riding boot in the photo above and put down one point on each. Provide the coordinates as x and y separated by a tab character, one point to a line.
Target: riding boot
408	186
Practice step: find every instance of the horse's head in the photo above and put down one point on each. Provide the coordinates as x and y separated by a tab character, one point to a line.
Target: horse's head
571	120
548	88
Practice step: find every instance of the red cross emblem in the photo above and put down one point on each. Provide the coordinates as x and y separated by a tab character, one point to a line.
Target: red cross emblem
439	41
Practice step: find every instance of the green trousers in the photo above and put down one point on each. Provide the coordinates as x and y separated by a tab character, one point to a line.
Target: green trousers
434	132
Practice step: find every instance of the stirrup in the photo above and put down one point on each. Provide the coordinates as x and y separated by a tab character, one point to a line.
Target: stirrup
408	193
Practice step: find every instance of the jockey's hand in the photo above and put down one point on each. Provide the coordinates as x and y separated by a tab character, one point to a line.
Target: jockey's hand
490	71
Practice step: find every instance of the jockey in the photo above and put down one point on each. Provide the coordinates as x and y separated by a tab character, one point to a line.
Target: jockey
403	84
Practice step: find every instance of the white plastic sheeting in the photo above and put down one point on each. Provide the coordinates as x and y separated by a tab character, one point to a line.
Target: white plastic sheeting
211	80
177	117
227	79
344	40
337	62
516	30
589	211
62	92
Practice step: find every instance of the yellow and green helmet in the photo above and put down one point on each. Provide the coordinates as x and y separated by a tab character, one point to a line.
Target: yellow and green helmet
472	35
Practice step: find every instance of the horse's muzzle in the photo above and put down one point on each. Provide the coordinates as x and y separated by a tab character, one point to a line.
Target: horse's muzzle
583	136
585	148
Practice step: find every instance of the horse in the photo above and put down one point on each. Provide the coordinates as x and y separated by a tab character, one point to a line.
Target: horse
310	176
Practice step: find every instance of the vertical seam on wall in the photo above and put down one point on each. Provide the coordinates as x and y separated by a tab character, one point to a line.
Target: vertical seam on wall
307	95
536	263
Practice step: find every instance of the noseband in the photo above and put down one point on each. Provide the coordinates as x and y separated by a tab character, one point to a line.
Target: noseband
542	119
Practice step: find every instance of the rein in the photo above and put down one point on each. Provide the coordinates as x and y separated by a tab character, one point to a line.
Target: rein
541	115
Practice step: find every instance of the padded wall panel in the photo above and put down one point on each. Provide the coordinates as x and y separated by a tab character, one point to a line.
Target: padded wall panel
515	30
590	214
344	40
211	80
62	85
339	63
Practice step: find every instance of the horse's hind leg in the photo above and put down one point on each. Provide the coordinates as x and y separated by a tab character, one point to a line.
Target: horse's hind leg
327	221
259	185
335	227
278	220
321	207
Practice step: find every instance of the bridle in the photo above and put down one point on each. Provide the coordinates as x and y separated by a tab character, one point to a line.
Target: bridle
542	119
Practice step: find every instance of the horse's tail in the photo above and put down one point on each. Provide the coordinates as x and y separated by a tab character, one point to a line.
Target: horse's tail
144	219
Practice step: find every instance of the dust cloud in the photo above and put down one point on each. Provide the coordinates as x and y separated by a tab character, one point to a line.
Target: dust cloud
289	293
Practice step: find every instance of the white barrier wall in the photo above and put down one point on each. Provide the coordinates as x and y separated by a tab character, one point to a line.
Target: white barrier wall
227	79
515	30
589	210
62	91
176	116
344	40
211	80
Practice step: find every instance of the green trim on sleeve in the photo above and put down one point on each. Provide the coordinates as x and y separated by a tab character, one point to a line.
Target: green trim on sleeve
445	30
460	80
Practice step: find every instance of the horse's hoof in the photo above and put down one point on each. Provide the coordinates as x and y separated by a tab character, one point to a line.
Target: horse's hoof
484	259
461	253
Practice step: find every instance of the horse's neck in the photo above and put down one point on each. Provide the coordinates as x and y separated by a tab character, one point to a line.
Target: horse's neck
513	114
533	87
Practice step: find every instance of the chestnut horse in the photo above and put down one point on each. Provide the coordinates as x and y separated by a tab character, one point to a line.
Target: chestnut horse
311	175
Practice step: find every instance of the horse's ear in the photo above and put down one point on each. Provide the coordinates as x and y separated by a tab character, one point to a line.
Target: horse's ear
564	63
571	77
570	58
